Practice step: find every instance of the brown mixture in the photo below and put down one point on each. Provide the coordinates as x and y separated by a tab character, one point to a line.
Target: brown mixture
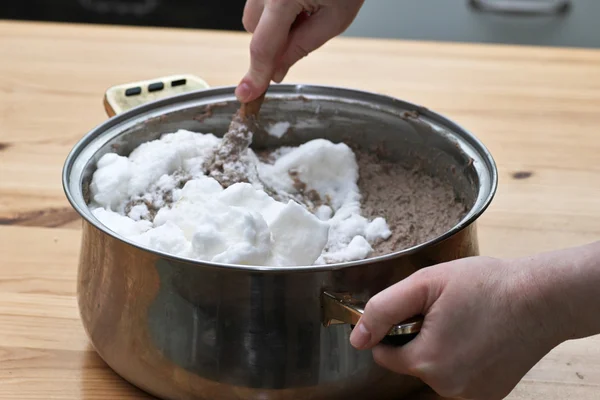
228	166
416	206
156	198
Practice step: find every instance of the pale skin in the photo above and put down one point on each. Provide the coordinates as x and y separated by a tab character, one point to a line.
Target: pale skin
283	33
487	321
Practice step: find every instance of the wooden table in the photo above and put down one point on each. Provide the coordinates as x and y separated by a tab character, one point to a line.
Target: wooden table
538	111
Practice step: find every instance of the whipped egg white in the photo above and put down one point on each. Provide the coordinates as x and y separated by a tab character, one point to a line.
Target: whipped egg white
160	198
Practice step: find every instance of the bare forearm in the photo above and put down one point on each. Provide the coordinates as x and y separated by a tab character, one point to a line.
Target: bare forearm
511	313
569	283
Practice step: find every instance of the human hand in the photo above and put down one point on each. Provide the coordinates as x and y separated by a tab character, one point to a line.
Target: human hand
486	324
284	31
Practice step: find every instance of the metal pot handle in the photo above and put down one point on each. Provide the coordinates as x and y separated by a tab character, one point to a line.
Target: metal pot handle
342	308
121	98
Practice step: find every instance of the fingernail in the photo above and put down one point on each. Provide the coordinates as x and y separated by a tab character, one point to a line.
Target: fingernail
360	336
243	92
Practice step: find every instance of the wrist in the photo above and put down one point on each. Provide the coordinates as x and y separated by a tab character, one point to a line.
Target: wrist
561	288
532	302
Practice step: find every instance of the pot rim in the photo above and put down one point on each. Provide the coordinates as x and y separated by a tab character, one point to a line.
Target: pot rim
294	90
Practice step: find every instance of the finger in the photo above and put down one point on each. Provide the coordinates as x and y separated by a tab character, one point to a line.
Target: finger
268	42
408	298
397	359
313	32
252	12
281	69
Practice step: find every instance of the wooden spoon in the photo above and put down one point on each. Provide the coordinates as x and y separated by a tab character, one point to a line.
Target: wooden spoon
251	109
227	167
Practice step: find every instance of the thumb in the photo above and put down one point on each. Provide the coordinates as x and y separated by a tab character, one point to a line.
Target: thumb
267	44
313	32
407	298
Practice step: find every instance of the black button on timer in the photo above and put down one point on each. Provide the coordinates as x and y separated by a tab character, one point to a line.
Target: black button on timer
134	91
179	82
155	87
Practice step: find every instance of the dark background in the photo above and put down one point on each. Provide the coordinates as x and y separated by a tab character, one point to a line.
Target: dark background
202	14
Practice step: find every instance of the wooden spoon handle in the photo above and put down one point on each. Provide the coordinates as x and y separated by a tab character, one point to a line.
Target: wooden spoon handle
252	108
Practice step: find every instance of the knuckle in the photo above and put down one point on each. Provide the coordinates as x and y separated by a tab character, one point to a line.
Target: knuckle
448	379
377	311
423	364
445	390
249	24
252	13
340	25
379	360
417	369
372	308
448	387
425	274
300	51
345	19
423	278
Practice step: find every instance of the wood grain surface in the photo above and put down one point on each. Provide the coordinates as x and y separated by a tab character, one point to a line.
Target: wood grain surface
536	109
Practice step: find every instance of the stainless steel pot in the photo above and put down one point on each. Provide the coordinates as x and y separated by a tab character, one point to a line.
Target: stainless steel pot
184	329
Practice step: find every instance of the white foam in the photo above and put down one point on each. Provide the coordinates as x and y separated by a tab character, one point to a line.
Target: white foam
240	224
278	129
